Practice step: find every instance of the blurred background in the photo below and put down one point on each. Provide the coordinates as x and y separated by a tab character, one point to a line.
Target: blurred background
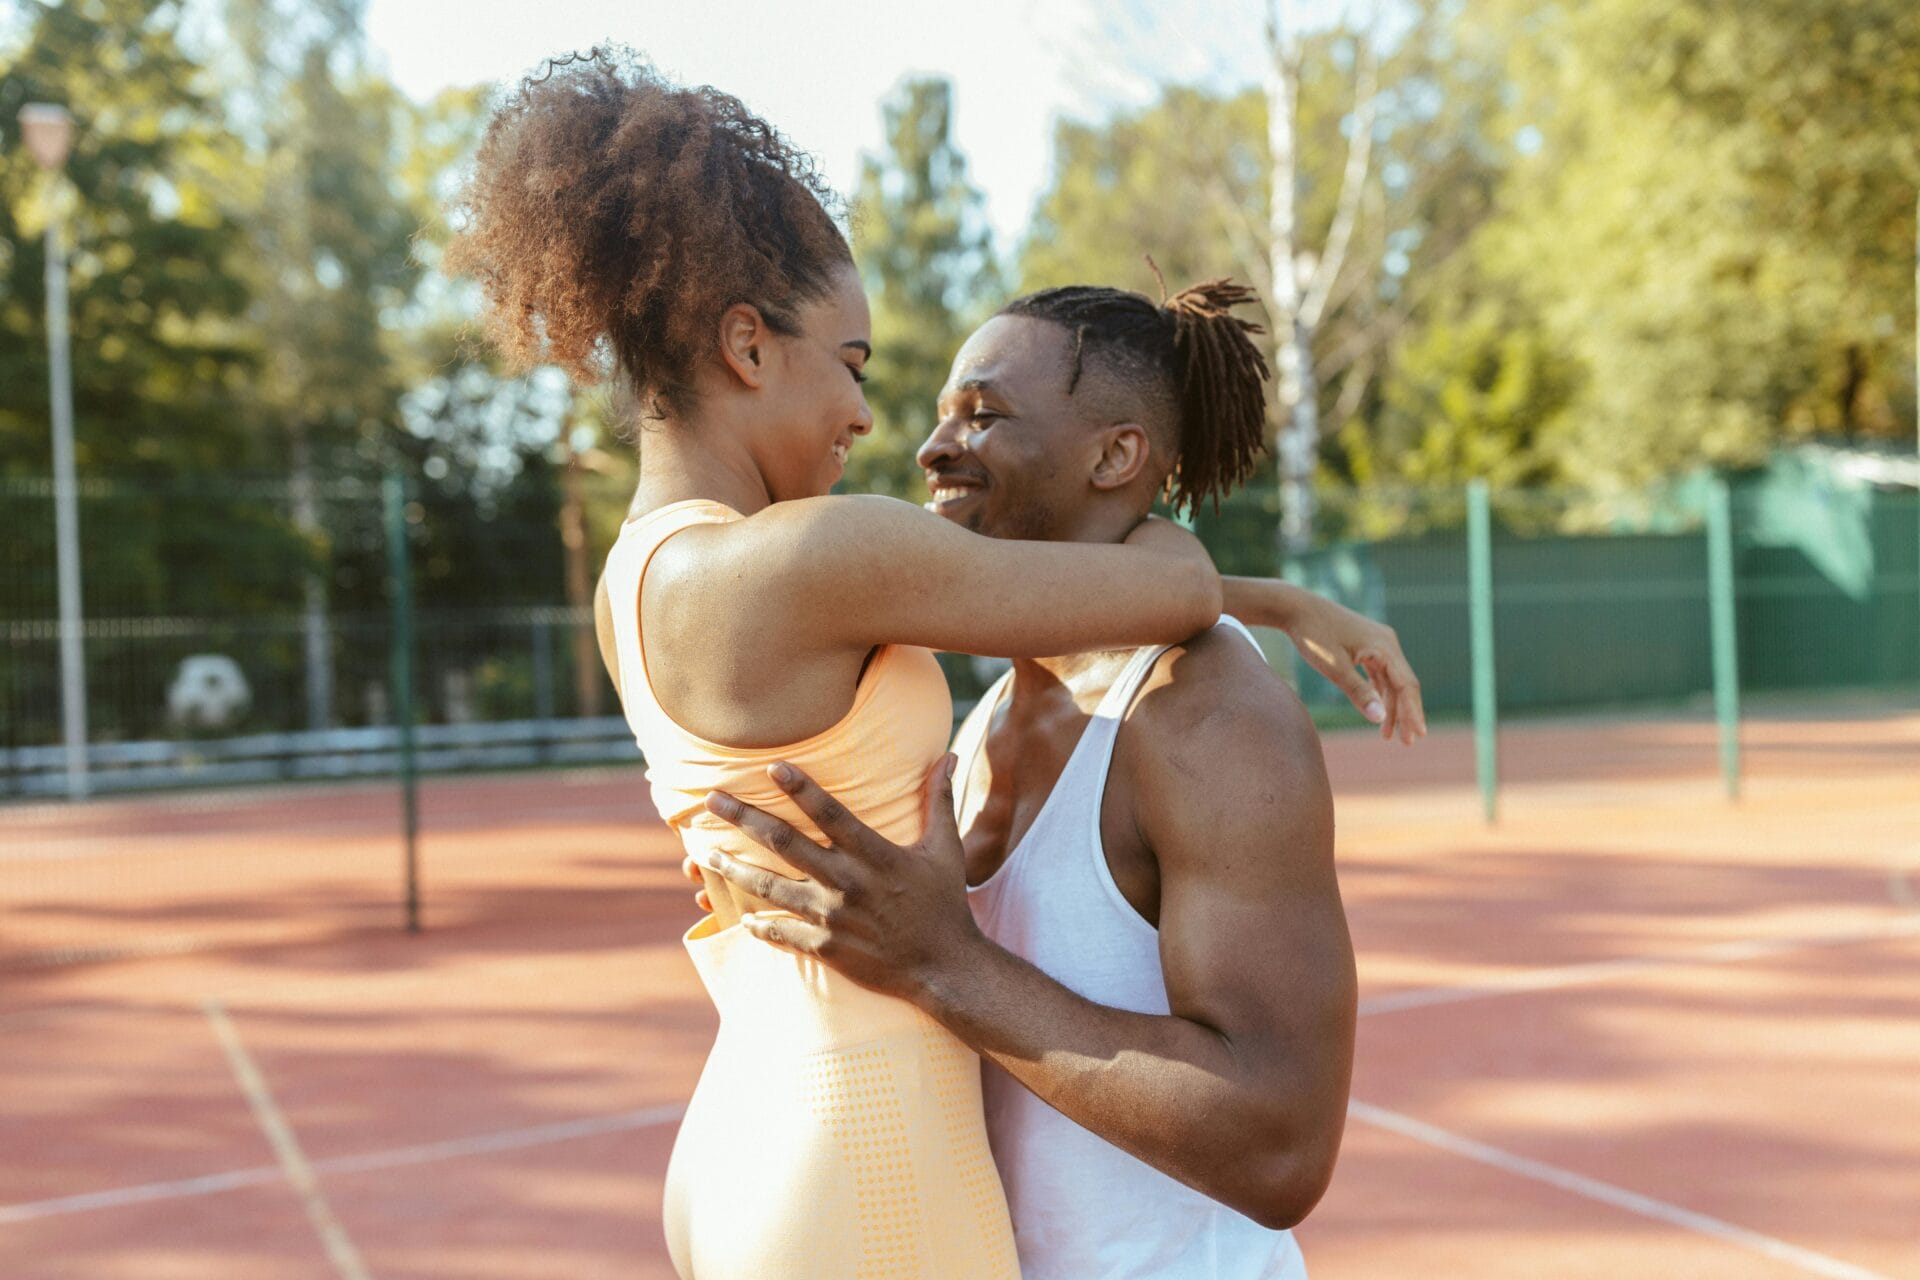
1593	326
1591	255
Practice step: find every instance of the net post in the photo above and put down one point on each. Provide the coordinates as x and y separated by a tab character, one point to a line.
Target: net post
1726	640
400	603
1480	613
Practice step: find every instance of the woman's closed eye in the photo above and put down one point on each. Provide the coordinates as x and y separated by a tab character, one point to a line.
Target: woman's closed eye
858	374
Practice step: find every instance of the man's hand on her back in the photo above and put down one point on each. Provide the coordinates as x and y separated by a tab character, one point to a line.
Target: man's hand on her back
894	918
691	870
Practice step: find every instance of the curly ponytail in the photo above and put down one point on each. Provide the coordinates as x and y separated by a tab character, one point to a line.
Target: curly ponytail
612	217
1190	355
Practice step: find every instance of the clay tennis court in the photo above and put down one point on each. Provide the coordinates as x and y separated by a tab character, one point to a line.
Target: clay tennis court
1632	1030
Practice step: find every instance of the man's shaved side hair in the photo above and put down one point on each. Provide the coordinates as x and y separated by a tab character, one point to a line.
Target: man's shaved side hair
1186	369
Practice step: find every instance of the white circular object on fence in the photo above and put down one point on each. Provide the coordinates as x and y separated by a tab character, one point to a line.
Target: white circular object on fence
208	692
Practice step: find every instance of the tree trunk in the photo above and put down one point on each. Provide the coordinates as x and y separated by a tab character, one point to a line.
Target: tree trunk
573	537
1296	410
318	647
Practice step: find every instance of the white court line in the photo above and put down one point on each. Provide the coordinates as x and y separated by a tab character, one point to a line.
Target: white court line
1571	975
333	1237
1673	1215
398	1157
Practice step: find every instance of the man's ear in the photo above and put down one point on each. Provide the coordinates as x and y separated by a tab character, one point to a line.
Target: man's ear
1123	456
743	342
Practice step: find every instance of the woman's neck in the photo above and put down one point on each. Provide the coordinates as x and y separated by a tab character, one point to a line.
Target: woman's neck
679	461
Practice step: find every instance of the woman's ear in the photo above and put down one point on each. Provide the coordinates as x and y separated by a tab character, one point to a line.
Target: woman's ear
743	342
1123	456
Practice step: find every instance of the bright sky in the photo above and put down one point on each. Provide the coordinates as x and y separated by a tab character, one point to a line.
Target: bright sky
819	70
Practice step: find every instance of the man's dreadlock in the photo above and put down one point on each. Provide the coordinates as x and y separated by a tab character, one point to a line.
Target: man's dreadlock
1190	350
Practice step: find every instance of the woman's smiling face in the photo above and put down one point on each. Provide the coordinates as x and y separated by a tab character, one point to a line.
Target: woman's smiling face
813	386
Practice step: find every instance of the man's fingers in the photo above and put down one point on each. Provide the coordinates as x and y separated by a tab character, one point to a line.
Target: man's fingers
771	834
786	933
802	897
833	818
690	869
942	826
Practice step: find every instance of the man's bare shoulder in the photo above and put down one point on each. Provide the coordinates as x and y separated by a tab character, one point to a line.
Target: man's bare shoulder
1217	689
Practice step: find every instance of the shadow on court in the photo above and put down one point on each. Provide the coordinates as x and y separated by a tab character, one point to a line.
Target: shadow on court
1630	1030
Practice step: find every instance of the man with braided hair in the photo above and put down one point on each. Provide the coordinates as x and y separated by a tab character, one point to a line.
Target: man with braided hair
1134	918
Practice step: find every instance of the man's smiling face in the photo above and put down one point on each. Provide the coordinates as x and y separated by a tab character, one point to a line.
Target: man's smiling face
1010	455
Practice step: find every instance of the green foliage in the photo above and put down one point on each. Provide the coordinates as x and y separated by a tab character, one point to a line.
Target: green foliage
331	264
1186	180
1474	393
926	256
1718	220
1600	242
1183	180
243	269
157	297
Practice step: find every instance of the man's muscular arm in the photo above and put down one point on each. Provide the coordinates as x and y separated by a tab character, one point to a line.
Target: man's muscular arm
1241	1090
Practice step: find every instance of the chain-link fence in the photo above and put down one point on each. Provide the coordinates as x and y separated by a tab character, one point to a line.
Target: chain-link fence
1605	602
237	629
240	630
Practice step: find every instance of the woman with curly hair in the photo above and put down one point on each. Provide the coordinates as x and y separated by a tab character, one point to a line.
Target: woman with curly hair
626	228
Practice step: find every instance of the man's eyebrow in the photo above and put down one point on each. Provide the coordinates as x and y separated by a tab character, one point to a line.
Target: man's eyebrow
866	348
971	386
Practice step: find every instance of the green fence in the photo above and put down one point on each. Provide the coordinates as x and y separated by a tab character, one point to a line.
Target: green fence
1593	603
1601	603
241	630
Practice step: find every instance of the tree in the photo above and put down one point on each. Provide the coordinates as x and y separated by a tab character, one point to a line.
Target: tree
1300	282
1190	177
1718	218
1474	392
331	253
927	259
156	292
1177	180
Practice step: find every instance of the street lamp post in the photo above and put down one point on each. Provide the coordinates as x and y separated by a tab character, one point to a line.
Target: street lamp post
48	132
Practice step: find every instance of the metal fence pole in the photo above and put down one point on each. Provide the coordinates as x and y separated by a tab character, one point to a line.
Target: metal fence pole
1726	638
1480	611
542	669
400	600
66	518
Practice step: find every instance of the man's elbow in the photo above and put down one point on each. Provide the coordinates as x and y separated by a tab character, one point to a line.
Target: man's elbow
1286	1189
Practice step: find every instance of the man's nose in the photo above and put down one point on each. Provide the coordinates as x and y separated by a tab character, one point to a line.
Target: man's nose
944	443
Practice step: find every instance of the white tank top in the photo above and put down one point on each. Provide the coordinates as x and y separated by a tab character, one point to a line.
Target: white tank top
1083	1209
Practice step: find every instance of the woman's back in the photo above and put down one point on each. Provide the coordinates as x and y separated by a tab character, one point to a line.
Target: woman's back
864	1153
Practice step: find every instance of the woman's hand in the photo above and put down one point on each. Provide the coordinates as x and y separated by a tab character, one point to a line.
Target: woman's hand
1340	644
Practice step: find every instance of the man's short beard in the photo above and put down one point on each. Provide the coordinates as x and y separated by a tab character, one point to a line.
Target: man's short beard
1029	522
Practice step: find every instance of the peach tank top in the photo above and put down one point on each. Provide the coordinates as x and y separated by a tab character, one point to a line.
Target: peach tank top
834	1131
